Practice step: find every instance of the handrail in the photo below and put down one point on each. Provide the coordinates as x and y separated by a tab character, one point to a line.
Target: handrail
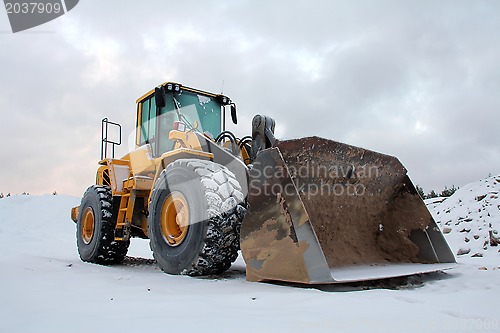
104	138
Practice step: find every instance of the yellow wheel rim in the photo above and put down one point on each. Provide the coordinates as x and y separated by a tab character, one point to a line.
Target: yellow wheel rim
88	225
174	219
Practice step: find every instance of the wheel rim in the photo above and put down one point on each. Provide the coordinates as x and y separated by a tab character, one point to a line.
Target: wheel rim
87	225
174	219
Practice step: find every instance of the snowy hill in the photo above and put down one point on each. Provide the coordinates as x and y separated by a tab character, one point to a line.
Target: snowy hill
470	218
44	287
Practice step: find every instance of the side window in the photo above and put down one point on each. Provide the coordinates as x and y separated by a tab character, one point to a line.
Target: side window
145	121
152	120
148	122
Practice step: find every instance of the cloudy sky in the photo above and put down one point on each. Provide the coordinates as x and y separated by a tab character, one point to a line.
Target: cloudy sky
416	79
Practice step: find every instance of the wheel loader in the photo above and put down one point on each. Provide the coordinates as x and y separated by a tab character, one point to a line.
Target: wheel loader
308	210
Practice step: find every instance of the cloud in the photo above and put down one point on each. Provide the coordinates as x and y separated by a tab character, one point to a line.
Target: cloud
418	80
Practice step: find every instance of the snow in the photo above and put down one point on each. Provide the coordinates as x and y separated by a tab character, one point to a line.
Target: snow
44	287
470	218
203	100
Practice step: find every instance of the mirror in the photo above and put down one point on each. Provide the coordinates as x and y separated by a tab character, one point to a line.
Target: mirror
233	114
160	97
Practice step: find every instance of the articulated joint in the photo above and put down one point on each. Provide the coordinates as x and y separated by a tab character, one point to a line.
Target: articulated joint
262	134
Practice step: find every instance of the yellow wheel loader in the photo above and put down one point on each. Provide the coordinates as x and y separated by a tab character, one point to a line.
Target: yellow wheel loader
308	210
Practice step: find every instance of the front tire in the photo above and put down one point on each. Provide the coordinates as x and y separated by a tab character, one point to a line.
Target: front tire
95	228
194	218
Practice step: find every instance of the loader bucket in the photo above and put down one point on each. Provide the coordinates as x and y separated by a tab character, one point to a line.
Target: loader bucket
321	211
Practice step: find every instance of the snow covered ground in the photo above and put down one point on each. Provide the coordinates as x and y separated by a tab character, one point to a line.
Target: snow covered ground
44	287
470	218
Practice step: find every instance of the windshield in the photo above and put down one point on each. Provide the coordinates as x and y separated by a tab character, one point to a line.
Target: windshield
205	110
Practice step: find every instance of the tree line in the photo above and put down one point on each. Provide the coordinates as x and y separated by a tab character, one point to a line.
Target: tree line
447	192
24	193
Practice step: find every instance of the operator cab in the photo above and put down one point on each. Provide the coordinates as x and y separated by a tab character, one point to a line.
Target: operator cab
172	106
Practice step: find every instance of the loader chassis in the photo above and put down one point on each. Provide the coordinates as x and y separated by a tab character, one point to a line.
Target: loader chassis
310	210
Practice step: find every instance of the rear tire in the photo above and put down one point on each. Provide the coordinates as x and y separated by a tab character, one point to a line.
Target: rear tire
95	228
211	200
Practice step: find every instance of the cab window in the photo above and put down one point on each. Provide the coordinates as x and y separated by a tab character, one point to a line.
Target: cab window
148	122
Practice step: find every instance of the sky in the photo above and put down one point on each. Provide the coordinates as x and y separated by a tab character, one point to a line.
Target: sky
419	80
